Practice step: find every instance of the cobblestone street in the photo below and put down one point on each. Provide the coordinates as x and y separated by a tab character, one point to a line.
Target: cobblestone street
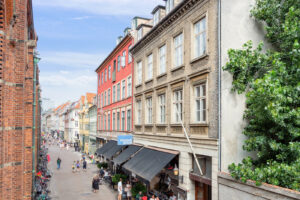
66	185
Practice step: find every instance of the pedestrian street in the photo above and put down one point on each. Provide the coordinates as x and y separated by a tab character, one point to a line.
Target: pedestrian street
67	185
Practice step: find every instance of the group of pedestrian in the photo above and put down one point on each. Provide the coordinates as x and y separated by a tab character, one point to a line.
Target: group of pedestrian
76	166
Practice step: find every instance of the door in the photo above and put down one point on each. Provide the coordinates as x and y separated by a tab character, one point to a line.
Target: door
202	191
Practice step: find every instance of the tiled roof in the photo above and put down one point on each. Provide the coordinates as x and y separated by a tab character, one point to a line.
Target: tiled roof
90	96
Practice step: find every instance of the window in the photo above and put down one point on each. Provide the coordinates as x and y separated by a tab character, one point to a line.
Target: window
109	72
123	120
139	73
177	106
114	121
200	100
99	101
123	58
102	78
108	97
105	75
108	121
178	50
150	67
105	98
129	55
86	127
118	92
76	123
102	100
119	63
156	18
128	120
114	94
200	38
169	5
129	86
99	122
162	59
114	65
99	80
104	122
123	89
162	108
149	110
139	111
140	33
118	120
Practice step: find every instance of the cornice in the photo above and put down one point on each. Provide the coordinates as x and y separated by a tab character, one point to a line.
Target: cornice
168	20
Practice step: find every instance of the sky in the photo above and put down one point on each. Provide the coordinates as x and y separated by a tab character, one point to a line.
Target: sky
74	37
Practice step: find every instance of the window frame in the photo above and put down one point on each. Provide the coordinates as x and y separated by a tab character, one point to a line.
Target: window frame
175	102
199	34
129	116
129	86
162	108
119	63
109	72
160	71
118	92
123	89
139	73
177	47
108	97
149	110
149	67
200	99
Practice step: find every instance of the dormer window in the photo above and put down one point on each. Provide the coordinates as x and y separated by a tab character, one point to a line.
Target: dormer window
134	24
169	5
156	18
140	34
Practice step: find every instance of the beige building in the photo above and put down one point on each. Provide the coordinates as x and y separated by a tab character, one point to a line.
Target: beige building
175	77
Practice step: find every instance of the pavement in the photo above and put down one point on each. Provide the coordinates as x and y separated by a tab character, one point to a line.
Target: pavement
66	185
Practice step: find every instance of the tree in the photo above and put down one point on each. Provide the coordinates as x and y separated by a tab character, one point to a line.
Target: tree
271	82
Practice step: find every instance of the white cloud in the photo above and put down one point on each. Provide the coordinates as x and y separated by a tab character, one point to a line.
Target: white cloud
72	59
81	18
104	7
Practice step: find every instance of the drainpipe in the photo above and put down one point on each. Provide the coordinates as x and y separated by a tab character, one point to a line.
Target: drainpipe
35	62
219	86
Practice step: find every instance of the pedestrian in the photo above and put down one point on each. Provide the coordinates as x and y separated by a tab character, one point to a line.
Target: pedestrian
58	162
84	165
139	196
128	190
78	166
73	166
67	147
120	189
95	183
152	197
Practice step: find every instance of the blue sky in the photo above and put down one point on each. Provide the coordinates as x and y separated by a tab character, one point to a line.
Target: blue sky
75	36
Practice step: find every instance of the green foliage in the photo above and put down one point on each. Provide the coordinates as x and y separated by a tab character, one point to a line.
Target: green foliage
102	164
137	188
271	81
116	178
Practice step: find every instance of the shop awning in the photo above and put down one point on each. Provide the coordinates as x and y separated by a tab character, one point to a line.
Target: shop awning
148	162
126	154
105	147
115	148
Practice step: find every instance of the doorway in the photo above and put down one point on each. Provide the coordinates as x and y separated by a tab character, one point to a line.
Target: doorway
202	191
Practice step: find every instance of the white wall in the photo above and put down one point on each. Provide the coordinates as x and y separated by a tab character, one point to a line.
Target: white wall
237	27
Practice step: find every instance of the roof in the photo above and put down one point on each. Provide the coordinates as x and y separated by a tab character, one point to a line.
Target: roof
113	150
126	154
146	25
156	8
105	147
89	97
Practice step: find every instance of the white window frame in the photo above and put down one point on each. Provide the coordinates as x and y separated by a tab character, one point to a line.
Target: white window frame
129	86
123	89
162	59
105	74
200	100
140	34
118	92
199	38
178	50
109	72
118	120
139	73
114	121
119	63
114	94
108	97
169	5
162	108
139	112
129	120
105	102
149	110
178	106
149	67
123	61
129	55
123	119
108	121
156	17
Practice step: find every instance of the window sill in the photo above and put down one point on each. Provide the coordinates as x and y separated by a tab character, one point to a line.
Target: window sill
199	58
177	68
148	125
161	75
138	125
161	125
203	124
149	80
138	85
175	125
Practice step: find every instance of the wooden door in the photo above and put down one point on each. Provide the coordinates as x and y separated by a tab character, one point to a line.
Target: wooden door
201	191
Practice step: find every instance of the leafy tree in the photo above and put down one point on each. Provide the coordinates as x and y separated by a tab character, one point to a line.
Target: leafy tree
271	81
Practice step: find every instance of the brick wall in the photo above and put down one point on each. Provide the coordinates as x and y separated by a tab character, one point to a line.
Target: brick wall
17	43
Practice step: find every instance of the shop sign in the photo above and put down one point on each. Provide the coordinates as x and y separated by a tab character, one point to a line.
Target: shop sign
125	139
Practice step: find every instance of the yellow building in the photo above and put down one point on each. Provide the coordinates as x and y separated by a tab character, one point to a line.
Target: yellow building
85	103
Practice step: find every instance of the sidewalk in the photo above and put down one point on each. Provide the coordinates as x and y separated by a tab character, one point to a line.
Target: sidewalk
66	185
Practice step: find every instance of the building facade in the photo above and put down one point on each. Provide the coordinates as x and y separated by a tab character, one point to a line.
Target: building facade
19	100
114	93
175	89
72	122
93	126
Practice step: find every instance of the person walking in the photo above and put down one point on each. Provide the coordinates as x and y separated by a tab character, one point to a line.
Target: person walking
95	183
78	166
84	165
120	189
128	190
139	196
58	162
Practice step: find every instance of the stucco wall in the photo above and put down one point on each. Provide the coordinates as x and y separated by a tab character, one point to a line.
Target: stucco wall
231	189
237	27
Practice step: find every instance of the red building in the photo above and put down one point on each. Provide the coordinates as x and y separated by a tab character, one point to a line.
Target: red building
114	93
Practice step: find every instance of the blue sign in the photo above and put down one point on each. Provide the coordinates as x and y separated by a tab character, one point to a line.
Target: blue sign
125	139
